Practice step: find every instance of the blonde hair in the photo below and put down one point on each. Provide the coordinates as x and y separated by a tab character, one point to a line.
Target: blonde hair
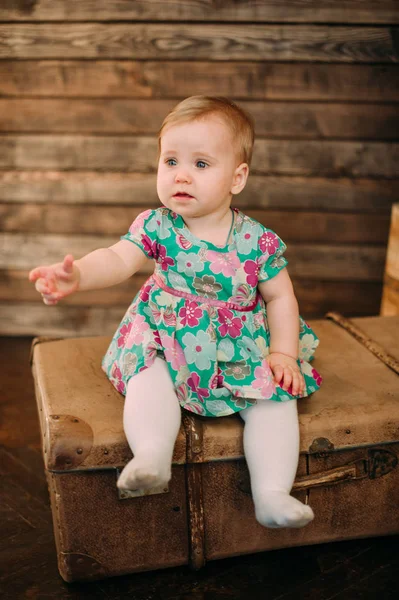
239	121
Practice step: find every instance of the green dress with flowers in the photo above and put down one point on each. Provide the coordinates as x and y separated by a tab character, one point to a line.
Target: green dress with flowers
201	311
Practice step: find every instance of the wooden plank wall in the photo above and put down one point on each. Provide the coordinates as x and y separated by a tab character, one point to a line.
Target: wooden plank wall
85	84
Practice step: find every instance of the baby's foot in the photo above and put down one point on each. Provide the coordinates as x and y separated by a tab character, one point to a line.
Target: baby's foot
141	474
278	509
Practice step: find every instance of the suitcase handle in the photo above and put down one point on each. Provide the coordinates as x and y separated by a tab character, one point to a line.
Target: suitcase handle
355	470
377	463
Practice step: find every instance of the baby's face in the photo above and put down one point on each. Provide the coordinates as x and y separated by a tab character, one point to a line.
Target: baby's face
196	169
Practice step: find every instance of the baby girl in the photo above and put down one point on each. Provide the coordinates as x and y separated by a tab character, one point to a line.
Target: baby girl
216	329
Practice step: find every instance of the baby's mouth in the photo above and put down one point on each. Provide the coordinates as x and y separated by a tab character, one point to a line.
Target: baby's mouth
182	195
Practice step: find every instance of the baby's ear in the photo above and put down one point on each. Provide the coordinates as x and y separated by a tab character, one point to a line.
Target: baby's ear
240	178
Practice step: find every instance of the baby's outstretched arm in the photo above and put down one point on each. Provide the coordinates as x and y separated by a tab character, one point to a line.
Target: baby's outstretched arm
98	269
283	319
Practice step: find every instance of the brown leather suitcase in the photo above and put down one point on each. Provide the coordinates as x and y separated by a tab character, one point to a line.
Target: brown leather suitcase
347	470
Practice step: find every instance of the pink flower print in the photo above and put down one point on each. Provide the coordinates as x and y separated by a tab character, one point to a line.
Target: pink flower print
157	338
139	222
144	292
217	380
244	294
193	382
149	247
264	380
138	327
226	263
317	377
252	269
194	407
259	320
150	354
184	398
123	333
269	242
173	352
230	325
183	243
116	375
182	393
165	261
190	314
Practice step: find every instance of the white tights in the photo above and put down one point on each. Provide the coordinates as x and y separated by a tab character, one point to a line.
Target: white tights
152	418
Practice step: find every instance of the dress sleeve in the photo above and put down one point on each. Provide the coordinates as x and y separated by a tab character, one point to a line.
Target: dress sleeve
144	232
271	260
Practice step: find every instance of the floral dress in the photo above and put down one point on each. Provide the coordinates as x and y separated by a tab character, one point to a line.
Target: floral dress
201	311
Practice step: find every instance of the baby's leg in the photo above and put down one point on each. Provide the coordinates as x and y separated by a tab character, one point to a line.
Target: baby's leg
151	420
271	448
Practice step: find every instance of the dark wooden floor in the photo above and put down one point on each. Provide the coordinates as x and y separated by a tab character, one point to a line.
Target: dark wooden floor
366	569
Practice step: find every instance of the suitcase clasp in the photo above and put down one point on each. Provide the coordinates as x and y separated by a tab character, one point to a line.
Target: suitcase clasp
381	462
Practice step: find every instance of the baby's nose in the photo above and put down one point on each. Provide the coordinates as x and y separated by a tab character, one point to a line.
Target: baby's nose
182	176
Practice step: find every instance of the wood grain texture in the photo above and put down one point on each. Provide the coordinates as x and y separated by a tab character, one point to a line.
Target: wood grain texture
139	154
351	11
85	85
315	297
390	296
297	120
343	262
136	189
193	41
296	226
65	321
178	79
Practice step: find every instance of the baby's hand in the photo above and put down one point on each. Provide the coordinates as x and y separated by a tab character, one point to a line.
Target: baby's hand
286	373
54	282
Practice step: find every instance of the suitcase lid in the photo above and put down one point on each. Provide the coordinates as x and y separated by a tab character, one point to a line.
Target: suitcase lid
81	412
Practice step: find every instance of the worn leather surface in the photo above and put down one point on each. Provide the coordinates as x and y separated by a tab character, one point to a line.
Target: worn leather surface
358	403
363	507
98	535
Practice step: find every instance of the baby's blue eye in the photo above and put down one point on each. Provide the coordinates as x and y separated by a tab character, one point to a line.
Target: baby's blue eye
201	164
171	162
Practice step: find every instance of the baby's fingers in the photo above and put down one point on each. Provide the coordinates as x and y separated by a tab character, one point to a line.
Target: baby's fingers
52	297
278	373
64	270
37	273
68	264
287	378
296	383
49	299
43	286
